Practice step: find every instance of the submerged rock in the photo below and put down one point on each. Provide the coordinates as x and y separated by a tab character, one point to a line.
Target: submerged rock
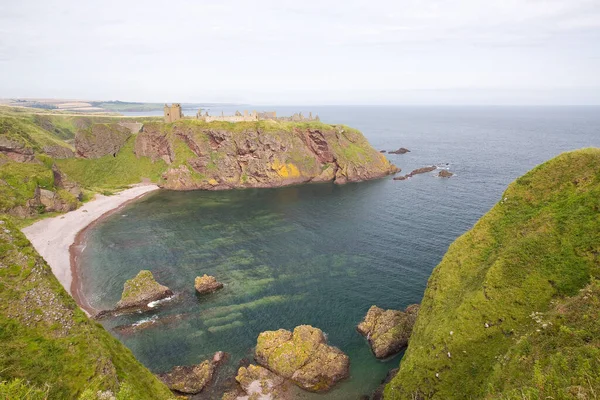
401	150
445	174
388	331
141	290
207	284
303	357
190	379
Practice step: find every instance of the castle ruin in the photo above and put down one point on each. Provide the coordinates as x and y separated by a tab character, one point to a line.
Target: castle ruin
173	113
255	116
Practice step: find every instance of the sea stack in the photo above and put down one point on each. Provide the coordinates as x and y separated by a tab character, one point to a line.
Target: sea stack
388	331
141	290
207	284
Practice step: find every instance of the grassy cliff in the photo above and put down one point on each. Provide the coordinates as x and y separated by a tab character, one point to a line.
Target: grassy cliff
512	310
48	345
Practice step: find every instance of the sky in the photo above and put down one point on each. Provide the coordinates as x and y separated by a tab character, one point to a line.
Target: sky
407	52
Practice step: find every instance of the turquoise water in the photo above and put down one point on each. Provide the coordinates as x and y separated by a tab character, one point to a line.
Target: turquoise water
318	254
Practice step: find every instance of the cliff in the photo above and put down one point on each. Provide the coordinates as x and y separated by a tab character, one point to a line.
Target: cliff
512	311
216	156
47	340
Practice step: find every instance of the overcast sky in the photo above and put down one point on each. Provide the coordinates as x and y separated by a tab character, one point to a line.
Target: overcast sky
303	52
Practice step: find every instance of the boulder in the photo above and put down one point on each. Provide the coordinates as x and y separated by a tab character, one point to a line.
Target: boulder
207	284
401	150
257	382
190	379
388	331
141	290
401	177
303	356
445	174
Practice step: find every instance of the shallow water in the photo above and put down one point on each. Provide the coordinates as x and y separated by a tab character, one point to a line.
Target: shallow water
319	254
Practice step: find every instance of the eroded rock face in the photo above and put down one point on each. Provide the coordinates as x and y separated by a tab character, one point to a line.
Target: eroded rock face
255	156
388	331
207	284
303	357
15	151
153	143
100	140
139	291
58	152
257	382
189	379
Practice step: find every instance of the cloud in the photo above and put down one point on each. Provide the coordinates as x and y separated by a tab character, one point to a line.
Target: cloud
287	51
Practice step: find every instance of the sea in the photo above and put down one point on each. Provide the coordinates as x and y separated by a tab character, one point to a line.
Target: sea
317	254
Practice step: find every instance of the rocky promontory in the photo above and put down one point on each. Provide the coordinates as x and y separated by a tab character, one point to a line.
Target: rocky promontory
303	356
207	284
141	290
388	331
217	156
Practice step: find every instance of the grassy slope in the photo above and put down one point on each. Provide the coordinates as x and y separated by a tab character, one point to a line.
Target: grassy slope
47	340
529	254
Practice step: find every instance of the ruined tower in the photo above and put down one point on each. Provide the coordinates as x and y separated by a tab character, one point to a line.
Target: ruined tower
173	113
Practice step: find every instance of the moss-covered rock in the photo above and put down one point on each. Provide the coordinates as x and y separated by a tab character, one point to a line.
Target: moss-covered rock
142	289
302	356
388	331
207	284
256	382
189	379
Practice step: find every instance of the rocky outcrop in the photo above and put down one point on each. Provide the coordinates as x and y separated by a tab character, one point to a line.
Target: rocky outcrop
61	181
256	382
141	290
153	143
100	140
388	330
416	172
445	174
58	152
303	356
401	150
207	284
423	170
15	150
189	379
212	157
54	202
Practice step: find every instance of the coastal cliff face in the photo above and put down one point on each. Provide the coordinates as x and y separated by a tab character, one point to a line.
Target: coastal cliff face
215	156
512	311
47	340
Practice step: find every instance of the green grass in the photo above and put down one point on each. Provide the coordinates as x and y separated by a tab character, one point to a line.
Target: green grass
110	172
48	341
18	182
537	247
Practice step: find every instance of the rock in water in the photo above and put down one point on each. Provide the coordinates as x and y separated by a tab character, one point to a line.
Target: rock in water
303	357
445	174
189	379
207	284
141	290
401	150
388	331
260	383
423	170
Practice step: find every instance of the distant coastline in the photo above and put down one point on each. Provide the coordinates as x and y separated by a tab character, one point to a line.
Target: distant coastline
59	239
